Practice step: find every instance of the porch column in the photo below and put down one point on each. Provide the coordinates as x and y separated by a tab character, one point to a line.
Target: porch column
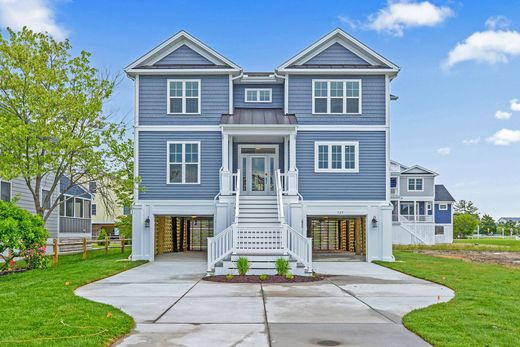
292	175
225	175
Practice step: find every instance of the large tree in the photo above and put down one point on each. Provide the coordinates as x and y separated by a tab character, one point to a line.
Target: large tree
464	224
51	117
488	224
465	207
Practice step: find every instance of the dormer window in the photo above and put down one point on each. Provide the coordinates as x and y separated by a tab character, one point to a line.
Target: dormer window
183	96
258	95
415	184
336	96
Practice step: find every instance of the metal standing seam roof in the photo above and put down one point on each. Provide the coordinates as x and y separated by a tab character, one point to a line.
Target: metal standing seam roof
442	194
258	116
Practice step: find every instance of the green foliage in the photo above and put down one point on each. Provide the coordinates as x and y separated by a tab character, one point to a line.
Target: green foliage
101	237
509	228
124	224
242	266
21	234
464	224
282	266
289	276
465	207
263	277
229	277
488	225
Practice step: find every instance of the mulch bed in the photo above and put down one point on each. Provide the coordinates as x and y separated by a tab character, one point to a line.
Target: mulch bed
256	279
6	272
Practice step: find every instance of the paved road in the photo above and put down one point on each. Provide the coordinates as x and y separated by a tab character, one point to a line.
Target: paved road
360	305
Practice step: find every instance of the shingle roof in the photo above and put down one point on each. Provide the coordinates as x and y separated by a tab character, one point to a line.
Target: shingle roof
259	116
442	194
338	66
183	66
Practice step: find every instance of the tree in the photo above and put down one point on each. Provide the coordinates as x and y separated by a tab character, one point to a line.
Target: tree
488	224
509	227
51	105
464	224
465	207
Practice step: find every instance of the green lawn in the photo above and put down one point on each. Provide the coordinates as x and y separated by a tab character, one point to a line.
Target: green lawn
484	312
39	308
488	244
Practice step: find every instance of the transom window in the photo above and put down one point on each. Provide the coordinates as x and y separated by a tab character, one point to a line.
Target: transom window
5	191
336	157
336	96
184	96
258	95
415	184
183	162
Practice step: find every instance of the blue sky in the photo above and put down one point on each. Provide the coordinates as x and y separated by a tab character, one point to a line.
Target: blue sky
446	115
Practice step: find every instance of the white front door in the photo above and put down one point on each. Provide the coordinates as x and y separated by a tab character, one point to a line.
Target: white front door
258	173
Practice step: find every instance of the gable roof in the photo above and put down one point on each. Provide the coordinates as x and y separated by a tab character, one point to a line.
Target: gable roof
396	165
181	39
338	36
442	194
76	190
417	169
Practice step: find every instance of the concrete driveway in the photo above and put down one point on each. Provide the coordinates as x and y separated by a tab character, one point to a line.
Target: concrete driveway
361	304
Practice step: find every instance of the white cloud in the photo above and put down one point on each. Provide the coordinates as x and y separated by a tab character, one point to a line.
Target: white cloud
400	15
502	115
504	137
498	22
444	151
515	105
490	46
474	141
37	15
352	23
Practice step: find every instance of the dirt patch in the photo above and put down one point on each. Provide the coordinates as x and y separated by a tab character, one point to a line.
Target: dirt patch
501	258
256	279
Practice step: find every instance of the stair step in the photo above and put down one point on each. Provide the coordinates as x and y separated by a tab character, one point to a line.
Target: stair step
259	215
259	225
259	257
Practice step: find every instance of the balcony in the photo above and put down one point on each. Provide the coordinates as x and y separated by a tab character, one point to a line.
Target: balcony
417	218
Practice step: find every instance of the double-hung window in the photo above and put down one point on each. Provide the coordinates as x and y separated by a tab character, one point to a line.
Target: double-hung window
336	157
258	95
183	162
5	191
46	199
183	96
415	184
336	96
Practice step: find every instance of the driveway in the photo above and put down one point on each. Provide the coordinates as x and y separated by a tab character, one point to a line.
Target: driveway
360	304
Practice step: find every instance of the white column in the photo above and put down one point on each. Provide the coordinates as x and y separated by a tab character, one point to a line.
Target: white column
225	152
225	175
292	174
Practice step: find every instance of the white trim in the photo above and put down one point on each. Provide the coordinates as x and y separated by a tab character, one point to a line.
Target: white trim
415	185
183	97
344	97
302	127
257	92
443	207
183	162
286	95
387	141
329	153
426	171
341	127
177	128
231	106
136	100
10	189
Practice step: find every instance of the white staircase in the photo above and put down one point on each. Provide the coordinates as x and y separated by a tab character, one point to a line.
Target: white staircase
414	233
258	211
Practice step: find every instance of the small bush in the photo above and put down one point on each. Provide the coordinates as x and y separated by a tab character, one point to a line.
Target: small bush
282	266
289	276
263	277
36	258
242	266
101	237
229	277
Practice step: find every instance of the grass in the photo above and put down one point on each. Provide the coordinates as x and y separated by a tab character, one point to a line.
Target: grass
39	307
485	309
489	244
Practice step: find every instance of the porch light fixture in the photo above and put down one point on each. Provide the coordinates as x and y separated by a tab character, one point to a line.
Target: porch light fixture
374	222
147	222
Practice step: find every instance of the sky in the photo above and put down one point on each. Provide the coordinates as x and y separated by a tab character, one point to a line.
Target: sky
458	111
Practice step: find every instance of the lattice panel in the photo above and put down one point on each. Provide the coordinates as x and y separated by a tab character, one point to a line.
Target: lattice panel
259	239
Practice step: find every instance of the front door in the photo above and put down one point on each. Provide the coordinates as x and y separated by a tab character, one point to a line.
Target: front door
258	174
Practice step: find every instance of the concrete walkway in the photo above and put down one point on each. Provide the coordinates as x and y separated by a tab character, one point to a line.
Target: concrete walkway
361	304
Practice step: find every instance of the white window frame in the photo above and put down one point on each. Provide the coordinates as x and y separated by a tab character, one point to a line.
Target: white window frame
443	207
317	144
10	189
345	97
257	91
183	163
415	184
93	208
428	206
183	81
41	197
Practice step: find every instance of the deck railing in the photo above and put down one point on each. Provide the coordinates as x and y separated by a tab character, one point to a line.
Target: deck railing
220	246
421	233
237	196
299	246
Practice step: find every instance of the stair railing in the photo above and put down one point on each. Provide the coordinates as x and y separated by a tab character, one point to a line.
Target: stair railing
279	196
238	187
421	233
220	246
299	246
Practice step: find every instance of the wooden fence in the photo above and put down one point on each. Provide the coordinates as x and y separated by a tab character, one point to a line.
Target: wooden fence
106	244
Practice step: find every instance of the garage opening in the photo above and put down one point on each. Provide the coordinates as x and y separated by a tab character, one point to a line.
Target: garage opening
174	234
338	235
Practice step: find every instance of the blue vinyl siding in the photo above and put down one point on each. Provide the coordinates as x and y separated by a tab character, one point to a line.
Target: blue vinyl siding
153	165
336	54
442	217
368	184
184	56
277	96
153	101
373	101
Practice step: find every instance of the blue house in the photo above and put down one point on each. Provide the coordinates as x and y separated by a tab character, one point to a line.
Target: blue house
285	163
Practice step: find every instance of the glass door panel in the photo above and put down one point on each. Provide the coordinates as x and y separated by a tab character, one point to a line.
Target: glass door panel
258	174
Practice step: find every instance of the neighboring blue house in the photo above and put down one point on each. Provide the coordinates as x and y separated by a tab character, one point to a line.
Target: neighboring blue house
423	210
287	162
75	211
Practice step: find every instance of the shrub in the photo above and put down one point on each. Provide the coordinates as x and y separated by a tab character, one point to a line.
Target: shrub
229	277
36	258
242	266
21	234
282	266
263	277
101	237
289	276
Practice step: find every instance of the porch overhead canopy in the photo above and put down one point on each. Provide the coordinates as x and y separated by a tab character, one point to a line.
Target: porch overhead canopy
258	116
